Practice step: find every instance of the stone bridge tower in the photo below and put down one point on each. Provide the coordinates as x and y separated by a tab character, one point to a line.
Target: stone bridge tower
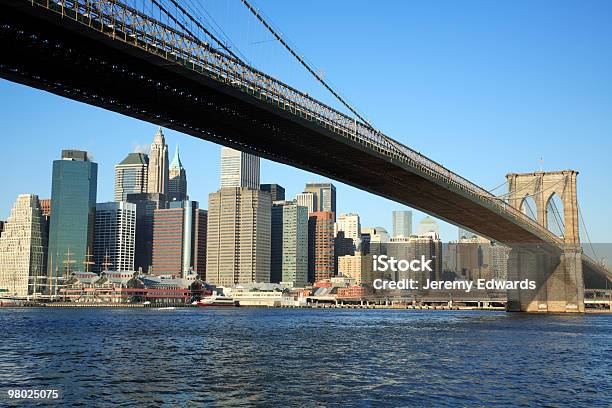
559	279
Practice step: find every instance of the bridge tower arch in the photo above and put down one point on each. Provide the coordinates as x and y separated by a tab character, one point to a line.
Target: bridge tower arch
542	187
559	279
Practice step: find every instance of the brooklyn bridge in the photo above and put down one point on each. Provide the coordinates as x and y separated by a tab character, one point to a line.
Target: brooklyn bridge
160	64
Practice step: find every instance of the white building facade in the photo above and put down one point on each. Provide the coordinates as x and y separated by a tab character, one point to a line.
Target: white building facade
239	169
22	249
114	236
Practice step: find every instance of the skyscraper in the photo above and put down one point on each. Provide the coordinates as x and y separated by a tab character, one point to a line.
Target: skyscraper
276	242
307	200
177	182
178	239
22	248
238	239
276	191
239	169
157	180
428	225
295	245
131	175
402	223
146	204
114	237
321	262
73	207
45	206
351	226
325	196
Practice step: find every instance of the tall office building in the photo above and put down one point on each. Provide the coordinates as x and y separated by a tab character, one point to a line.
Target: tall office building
428	225
146	204
22	248
239	169
45	206
307	200
177	181
351	226
114	236
179	241
276	241
276	191
238	241
325	196
295	245
157	178
1	227
402	223
200	237
73	207
131	175
321	257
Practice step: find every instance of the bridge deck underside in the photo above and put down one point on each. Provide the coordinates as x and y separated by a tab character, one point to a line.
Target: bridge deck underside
67	59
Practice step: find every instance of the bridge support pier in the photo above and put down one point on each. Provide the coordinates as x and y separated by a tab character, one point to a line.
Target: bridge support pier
559	286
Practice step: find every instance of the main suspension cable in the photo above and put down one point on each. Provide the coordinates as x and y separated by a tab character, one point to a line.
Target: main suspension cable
304	63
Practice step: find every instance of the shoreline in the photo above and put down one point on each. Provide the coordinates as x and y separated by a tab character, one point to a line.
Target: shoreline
325	306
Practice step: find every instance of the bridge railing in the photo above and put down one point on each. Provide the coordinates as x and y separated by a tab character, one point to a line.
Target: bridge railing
172	41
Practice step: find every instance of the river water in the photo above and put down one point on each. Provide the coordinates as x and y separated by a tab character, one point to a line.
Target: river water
306	357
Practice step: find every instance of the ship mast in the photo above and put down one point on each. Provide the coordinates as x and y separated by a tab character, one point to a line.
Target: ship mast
68	263
106	262
88	262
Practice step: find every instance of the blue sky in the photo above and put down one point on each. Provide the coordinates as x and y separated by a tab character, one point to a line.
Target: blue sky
483	87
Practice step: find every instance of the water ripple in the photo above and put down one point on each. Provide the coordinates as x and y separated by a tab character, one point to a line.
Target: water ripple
277	357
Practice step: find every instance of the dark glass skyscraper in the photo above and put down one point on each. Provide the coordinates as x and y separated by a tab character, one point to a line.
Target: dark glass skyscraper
276	191
276	243
73	206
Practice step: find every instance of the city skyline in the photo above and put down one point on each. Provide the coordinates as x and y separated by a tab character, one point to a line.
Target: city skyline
448	232
141	149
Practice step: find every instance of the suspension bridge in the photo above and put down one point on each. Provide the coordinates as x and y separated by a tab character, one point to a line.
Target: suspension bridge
155	61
